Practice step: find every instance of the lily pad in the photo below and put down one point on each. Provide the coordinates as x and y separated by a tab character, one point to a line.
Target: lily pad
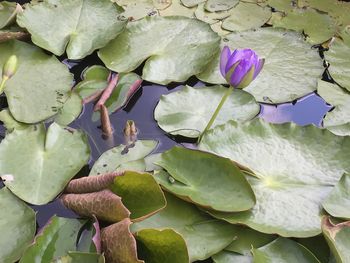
8	12
70	110
194	174
281	5
10	123
40	86
17	226
338	238
291	64
59	236
81	257
220	5
202	14
203	234
159	246
48	160
191	3
135	10
186	112
339	67
246	16
164	41
283	250
337	202
290	180
113	159
81	34
231	257
178	9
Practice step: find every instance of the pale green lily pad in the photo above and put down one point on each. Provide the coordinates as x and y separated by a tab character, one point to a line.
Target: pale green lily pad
290	180
211	18
17	226
97	72
290	64
220	5
340	130
116	159
283	250
40	86
164	41
70	110
59	236
281	5
159	246
231	257
186	112
191	3
8	12
48	160
192	174
338	239
69	24
178	9
337	202
246	16
318	246
10	123
339	67
136	9
140	193
204	235
80	257
217	27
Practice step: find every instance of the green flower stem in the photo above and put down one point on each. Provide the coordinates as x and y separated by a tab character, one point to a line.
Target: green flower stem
213	117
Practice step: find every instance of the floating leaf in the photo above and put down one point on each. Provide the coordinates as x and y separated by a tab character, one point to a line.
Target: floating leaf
340	130
159	246
194	174
8	12
140	193
204	235
291	65
47	161
202	14
81	34
119	245
81	257
186	112
136	9
339	67
40	86
55	240
220	5
70	110
191	3
338	238
337	202
290	180
17	226
281	5
318	246
113	159
177	9
246	16
230	257
283	250
10	123
172	54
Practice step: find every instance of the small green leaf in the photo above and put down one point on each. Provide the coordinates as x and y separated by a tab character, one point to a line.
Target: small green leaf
70	110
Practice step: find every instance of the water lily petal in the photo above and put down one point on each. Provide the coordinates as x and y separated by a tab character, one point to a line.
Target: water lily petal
225	55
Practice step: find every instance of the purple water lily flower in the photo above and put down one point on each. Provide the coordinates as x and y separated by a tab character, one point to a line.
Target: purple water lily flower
240	67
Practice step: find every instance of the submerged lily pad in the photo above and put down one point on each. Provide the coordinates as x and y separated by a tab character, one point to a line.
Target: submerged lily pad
290	64
194	174
81	34
47	161
337	202
40	86
164	41
117	158
59	236
283	250
186	112
290	180
17	226
203	234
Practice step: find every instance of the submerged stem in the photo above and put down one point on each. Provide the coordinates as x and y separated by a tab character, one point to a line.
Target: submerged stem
216	112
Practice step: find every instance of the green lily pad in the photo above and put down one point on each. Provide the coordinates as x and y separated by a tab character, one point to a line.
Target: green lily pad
318	246
135	10
194	174
220	5
115	159
283	250
281	5
186	112
159	246
290	180
81	34
291	80
246	16
171	55
339	67
10	123
308	21
140	193
338	238
202	14
337	202
70	110
40	86
17	226
59	236
80	257
8	12
178	9
203	234
340	130
231	257
48	160
191	3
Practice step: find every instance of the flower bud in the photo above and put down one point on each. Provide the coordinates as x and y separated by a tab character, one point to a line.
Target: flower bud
10	67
